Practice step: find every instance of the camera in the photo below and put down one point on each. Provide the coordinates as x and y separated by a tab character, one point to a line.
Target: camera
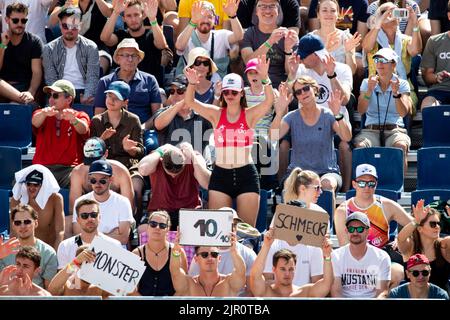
400	13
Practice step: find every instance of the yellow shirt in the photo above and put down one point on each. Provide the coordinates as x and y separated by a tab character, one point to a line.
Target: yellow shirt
185	6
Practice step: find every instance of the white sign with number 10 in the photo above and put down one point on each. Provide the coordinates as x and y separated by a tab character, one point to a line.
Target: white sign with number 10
205	227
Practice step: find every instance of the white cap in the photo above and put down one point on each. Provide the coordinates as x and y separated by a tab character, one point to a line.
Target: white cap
388	54
364	169
232	81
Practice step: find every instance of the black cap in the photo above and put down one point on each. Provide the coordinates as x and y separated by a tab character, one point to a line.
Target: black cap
69	11
35	177
180	81
102	167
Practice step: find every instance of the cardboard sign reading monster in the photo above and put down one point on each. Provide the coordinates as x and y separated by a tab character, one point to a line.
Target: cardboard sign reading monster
300	225
115	269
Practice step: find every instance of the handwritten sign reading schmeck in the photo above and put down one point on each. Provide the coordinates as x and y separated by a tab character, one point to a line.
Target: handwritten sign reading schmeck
300	225
115	269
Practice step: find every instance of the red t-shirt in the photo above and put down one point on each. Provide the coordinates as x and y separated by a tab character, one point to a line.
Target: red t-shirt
172	194
57	142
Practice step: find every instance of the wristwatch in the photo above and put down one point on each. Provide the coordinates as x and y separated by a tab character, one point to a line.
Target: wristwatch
339	116
332	76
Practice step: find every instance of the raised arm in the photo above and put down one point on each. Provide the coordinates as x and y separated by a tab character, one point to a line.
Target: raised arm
9	247
230	7
404	238
201	172
341	127
340	217
107	35
179	278
151	9
279	128
237	277
257	281
185	35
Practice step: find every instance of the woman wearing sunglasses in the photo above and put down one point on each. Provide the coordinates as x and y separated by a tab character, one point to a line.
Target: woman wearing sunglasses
418	272
234	174
157	280
422	236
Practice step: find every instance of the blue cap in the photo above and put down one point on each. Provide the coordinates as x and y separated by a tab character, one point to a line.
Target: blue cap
102	167
120	88
309	44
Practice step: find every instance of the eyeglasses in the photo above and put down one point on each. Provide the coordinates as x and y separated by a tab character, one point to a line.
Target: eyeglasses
228	92
381	60
206	63
363	184
415	273
359	229
316	188
67	26
94	181
155	224
16	20
301	90
178	91
54	95
86	215
127	56
20	222
205	255
434	224
267	6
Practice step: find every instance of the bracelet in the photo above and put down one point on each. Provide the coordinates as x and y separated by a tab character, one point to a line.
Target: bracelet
216	97
266	81
232	17
194	25
397	96
327	258
334	75
3	46
415	224
75	122
287	53
192	84
366	97
416	29
160	151
176	254
267	45
154	23
339	117
76	262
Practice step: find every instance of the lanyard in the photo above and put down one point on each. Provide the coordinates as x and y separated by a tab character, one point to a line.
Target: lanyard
387	109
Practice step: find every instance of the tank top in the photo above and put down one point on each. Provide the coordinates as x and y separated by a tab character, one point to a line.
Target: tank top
440	275
379	226
232	134
156	283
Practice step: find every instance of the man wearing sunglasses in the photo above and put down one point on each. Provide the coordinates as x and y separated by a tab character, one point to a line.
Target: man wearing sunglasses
177	122
87	213
360	269
73	57
20	53
418	272
24	221
115	209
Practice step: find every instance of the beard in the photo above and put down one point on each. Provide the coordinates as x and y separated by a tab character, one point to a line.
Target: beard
136	29
204	28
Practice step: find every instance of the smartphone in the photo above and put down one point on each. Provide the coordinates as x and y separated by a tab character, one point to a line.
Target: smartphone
400	13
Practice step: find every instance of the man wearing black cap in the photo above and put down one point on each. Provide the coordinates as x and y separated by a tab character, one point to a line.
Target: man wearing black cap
360	269
177	122
115	209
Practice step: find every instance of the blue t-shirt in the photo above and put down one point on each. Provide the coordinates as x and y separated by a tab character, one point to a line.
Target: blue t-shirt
144	91
312	146
402	292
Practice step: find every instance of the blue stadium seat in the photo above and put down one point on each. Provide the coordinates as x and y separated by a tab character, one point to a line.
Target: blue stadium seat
15	126
10	163
436	121
4	210
86	108
65	194
388	162
326	202
430	195
433	168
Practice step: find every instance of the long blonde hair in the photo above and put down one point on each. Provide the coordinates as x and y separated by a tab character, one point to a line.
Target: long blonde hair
297	178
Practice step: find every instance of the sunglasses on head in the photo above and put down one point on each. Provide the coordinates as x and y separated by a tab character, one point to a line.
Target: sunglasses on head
415	273
86	215
155	224
67	26
101	181
381	60
16	20
359	229
178	91
301	90
228	92
20	222
205	255
434	224
206	63
363	184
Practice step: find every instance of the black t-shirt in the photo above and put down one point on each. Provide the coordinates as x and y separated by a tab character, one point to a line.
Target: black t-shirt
350	12
17	59
290	8
152	60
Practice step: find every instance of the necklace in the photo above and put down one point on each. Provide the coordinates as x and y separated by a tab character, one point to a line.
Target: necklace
203	287
156	253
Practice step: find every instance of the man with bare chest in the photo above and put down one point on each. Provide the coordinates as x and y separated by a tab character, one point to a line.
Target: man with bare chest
43	198
209	282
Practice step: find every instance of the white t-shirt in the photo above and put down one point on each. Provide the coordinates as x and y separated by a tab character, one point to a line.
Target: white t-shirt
309	261
71	71
68	248
221	44
113	211
360	278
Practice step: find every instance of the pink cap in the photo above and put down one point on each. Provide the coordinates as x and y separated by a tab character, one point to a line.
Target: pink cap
251	64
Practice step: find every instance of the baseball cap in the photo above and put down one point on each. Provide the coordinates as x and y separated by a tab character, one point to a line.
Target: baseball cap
359	216
388	54
232	81
251	64
366	168
120	88
94	149
101	166
416	259
180	81
61	86
69	11
309	44
128	43
35	177
200	52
